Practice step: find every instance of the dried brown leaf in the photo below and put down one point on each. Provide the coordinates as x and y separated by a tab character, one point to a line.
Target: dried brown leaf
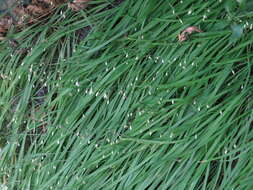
33	12
185	33
5	24
36	10
78	5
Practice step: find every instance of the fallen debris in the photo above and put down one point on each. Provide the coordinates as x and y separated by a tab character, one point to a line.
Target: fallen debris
78	5
185	33
5	24
22	14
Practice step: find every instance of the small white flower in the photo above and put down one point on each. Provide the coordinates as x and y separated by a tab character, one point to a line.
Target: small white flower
77	83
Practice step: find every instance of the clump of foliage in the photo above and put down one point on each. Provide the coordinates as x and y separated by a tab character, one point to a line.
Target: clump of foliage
108	98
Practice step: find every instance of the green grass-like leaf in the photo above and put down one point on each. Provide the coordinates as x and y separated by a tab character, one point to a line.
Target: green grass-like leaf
128	106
